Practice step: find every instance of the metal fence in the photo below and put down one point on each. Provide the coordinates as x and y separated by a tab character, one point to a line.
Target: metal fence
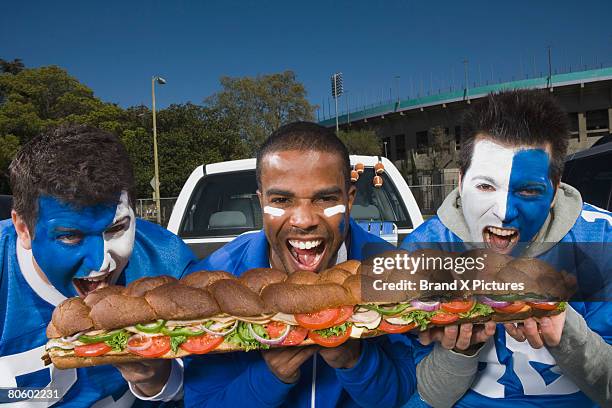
145	209
429	197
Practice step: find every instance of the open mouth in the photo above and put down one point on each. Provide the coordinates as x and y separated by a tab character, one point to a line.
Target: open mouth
95	280
306	253
501	240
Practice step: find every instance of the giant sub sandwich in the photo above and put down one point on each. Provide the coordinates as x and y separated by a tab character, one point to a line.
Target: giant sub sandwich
213	311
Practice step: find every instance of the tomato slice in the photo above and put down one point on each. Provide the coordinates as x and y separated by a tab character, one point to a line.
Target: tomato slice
345	313
295	337
511	308
160	345
543	305
395	328
318	320
457	306
92	350
444	318
332	341
201	344
275	329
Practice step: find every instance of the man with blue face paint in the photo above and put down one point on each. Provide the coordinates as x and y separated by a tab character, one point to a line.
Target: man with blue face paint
73	230
510	199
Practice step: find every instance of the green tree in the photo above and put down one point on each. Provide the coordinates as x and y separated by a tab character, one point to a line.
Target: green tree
11	67
9	145
361	142
188	136
261	104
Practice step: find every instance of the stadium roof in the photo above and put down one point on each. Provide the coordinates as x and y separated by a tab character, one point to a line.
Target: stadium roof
571	78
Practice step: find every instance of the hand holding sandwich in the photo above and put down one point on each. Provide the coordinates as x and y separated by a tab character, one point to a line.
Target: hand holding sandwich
458	338
344	356
147	376
546	332
285	363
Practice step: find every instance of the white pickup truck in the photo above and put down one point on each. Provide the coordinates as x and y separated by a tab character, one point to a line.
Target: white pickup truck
219	202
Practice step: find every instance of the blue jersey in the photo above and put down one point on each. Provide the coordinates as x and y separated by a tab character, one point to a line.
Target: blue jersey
512	373
26	308
384	375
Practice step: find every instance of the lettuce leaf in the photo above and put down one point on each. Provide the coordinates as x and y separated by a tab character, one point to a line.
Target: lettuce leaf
176	341
479	309
243	338
333	331
562	306
119	341
420	317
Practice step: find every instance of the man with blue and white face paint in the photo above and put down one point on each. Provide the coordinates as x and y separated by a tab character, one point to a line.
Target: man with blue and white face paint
73	230
511	200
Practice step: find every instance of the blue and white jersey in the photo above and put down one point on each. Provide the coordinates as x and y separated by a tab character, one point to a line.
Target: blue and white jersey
26	305
512	373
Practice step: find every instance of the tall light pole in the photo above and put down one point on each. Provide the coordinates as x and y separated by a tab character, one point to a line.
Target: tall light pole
467	86
160	81
336	90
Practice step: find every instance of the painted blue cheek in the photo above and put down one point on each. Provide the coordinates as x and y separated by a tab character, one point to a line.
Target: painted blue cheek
527	214
92	250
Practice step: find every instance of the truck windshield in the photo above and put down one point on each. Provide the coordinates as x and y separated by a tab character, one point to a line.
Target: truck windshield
227	204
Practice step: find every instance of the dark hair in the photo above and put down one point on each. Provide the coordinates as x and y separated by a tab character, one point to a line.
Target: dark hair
305	136
76	164
517	117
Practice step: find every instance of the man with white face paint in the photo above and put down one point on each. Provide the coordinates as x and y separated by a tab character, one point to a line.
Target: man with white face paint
510	199
73	230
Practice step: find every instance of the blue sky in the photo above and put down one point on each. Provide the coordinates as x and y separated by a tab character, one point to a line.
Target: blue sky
115	47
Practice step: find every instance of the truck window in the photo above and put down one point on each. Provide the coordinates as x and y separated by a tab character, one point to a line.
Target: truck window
223	204
226	204
379	204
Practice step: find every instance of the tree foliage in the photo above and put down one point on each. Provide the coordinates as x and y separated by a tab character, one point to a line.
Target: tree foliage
361	142
230	125
261	104
12	67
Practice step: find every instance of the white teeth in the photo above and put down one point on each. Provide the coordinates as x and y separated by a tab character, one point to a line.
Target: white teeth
304	244
501	231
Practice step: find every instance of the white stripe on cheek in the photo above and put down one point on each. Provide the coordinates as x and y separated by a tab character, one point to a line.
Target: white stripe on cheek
273	211
336	209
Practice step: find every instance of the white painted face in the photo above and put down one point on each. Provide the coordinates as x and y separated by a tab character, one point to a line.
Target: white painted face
506	193
118	246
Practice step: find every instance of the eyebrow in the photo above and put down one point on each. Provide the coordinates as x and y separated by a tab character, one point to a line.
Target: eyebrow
486	178
119	221
277	191
64	229
321	193
328	191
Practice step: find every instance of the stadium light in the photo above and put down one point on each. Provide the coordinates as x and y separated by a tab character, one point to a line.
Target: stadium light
337	90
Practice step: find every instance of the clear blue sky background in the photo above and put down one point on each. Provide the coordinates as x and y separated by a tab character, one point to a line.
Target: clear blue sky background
115	46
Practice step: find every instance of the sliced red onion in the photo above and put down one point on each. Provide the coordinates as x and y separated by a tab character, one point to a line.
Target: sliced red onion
493	303
144	346
426	306
270	342
72	338
225	333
